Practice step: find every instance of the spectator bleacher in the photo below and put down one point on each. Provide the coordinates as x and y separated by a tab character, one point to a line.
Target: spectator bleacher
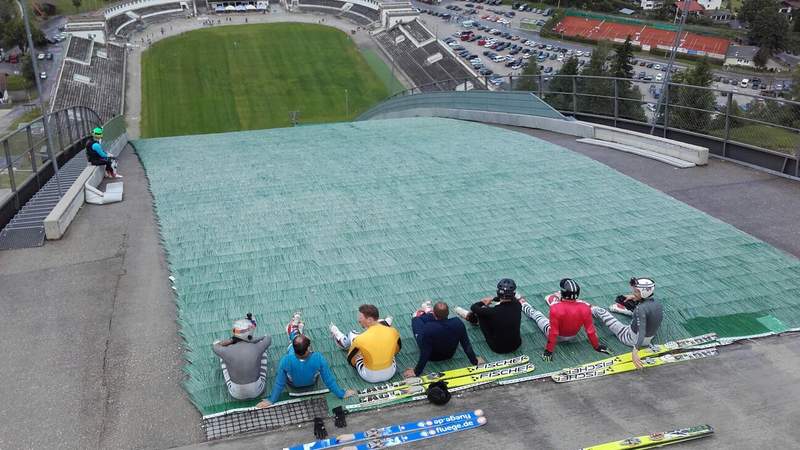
360	14
80	50
443	75
98	85
417	31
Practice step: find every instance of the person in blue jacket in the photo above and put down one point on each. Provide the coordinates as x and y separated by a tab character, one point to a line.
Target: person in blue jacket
97	156
438	336
301	367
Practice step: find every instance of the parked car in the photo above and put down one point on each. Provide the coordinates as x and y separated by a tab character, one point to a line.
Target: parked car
43	75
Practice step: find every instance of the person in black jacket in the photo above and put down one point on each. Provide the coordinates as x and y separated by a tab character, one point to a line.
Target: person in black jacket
499	323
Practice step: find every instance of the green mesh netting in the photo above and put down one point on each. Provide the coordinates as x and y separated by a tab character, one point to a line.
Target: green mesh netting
323	218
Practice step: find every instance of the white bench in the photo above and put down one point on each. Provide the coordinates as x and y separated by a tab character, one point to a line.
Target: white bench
674	149
62	215
95	196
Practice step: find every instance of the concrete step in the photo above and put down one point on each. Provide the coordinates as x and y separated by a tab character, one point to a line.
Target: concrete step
641	152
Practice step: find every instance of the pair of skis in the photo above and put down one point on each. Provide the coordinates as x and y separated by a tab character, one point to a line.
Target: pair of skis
660	439
454	379
394	435
651	357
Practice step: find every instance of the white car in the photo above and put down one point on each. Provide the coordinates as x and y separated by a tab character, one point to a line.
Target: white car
659	77
744	83
651	107
43	75
579	53
561	57
40	57
499	58
657	67
526	55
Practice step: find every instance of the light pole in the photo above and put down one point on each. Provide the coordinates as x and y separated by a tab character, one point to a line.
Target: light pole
32	54
347	103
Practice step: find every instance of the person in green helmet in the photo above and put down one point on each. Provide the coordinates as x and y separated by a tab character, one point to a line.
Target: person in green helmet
97	156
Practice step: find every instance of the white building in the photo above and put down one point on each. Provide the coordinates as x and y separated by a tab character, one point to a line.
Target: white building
741	55
710	4
651	4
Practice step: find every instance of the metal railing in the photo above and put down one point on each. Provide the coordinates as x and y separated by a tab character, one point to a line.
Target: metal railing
25	164
734	123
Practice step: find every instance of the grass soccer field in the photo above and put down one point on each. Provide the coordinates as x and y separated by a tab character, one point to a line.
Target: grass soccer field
249	77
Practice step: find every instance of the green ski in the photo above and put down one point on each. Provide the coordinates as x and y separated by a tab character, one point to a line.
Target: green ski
478	378
446	375
655	350
654	440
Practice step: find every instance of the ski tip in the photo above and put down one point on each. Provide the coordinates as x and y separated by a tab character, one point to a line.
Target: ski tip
481	420
478	412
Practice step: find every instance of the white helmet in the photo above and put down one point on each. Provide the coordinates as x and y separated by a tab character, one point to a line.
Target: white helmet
645	286
244	329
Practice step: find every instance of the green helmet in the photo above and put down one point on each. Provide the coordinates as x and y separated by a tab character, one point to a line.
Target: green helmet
98	132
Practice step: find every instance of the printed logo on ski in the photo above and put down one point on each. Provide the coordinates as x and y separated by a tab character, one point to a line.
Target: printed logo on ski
489	365
501	372
452	427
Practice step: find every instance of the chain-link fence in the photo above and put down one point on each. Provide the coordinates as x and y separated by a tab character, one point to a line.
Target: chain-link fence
725	115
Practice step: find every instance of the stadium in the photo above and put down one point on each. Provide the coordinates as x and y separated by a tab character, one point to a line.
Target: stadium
314	156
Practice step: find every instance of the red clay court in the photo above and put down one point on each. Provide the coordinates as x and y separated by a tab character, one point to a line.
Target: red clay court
641	35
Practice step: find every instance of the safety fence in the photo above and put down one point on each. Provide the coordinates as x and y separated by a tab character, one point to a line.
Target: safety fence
734	122
25	160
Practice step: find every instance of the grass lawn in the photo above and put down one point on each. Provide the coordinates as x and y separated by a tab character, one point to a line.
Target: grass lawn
250	77
771	138
18	83
65	7
383	71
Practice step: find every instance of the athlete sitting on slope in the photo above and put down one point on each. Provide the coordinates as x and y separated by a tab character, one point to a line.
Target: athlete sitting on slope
647	315
372	352
244	365
567	315
438	337
301	367
500	323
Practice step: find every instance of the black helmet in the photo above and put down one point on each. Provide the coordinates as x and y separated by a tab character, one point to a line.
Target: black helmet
570	290
506	288
438	393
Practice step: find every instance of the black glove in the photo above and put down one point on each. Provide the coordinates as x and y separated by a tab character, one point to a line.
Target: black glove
620	299
339	419
602	349
547	355
319	428
630	305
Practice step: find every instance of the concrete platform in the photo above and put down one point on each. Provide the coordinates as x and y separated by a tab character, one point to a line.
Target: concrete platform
748	394
92	359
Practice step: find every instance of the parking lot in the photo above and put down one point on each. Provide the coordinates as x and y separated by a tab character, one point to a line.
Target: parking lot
497	26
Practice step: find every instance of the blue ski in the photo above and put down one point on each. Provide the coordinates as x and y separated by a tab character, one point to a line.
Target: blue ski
393	430
419	435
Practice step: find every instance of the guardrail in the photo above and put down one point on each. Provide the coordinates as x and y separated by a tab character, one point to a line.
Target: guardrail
25	164
733	123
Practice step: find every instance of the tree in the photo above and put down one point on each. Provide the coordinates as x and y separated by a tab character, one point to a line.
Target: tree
27	68
76	4
597	91
629	103
769	29
621	66
761	57
691	107
529	80
561	88
751	9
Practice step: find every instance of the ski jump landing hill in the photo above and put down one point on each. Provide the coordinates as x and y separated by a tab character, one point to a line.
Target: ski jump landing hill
323	218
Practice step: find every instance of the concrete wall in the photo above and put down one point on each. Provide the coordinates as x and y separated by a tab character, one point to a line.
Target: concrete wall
58	221
569	127
675	149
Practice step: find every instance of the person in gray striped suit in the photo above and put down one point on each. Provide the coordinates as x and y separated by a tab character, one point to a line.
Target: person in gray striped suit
244	364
